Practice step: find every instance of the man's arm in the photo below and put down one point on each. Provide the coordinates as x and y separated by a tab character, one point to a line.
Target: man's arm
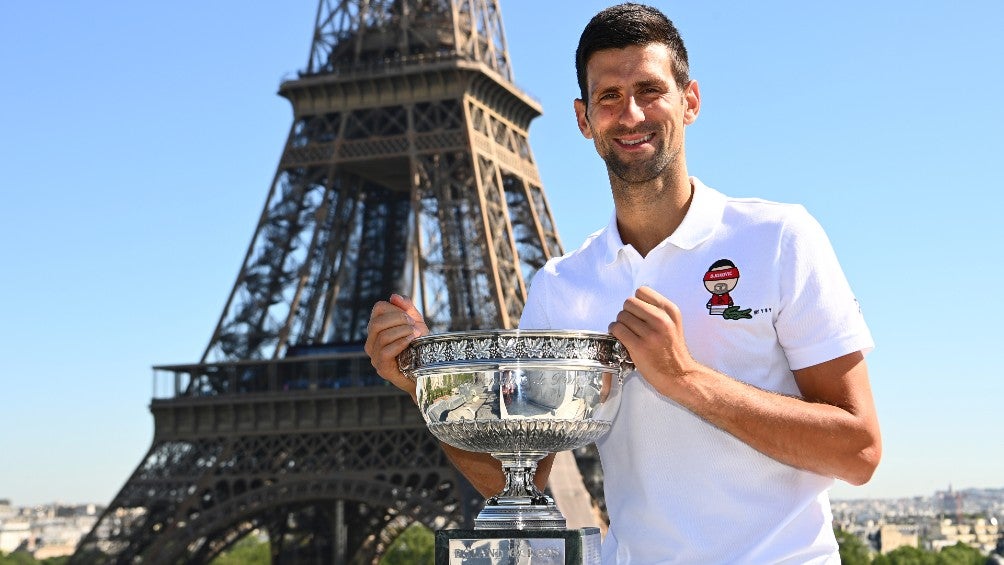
832	430
392	327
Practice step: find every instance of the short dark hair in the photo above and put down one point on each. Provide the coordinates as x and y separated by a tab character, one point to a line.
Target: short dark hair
629	24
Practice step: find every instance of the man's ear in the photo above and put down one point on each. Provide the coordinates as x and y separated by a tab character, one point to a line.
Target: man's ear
582	119
692	98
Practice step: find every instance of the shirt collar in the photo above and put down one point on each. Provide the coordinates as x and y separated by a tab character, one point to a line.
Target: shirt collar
703	216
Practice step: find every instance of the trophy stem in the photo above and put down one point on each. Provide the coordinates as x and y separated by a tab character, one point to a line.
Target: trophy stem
519	469
520	505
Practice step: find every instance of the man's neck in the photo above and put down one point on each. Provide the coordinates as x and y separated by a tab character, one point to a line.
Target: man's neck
648	214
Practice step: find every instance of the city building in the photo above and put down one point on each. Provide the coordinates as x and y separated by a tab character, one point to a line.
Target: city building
45	531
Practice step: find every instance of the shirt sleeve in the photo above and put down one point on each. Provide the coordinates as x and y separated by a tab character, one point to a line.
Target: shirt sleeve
820	318
534	315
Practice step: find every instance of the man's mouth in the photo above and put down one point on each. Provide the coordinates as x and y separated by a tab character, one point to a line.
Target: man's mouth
640	140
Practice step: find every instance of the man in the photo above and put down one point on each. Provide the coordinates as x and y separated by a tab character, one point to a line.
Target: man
739	418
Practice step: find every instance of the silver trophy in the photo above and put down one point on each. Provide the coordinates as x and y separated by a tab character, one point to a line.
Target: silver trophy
518	395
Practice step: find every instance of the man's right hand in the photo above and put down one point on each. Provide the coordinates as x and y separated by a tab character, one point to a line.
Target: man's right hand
393	325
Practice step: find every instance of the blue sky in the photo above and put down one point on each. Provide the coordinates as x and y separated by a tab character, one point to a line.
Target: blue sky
138	141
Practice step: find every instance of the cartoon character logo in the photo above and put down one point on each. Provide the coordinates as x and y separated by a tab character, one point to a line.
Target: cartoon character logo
720	280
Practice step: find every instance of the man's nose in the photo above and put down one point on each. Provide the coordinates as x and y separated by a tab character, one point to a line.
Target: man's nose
632	114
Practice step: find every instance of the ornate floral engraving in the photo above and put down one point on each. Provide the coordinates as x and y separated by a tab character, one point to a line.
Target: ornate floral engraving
481	349
535	347
457	350
508	346
515	345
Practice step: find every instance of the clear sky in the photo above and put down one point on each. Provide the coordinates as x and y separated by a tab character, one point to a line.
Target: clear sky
138	141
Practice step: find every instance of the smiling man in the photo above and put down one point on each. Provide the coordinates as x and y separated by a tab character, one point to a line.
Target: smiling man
739	417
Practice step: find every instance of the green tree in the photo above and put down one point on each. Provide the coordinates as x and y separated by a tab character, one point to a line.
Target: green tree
906	555
961	554
249	550
23	558
853	551
415	546
17	558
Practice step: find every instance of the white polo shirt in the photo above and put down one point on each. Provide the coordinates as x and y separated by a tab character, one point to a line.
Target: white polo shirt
762	294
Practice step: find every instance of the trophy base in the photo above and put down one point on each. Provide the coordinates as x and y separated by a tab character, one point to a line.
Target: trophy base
507	515
518	547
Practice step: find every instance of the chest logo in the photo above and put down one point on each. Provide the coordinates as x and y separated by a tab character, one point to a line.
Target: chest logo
720	280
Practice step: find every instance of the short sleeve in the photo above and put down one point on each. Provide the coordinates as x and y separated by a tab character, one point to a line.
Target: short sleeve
820	318
534	315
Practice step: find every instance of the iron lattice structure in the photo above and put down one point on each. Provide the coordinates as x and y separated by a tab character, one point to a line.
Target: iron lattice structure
407	169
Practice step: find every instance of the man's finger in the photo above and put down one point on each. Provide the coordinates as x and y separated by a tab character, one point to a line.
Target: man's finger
641	309
406	304
650	296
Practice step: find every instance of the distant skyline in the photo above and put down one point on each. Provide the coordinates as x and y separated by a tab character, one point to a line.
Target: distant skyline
138	142
929	495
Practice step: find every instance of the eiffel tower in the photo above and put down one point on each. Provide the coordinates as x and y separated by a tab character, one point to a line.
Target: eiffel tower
407	169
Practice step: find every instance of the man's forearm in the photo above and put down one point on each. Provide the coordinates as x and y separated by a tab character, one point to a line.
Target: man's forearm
836	436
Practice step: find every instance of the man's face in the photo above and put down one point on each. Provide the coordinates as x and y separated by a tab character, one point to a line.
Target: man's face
636	113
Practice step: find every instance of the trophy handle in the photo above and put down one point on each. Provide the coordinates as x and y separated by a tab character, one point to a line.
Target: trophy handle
623	359
406	363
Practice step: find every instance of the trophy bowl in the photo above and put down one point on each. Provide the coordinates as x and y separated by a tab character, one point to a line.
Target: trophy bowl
517	395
